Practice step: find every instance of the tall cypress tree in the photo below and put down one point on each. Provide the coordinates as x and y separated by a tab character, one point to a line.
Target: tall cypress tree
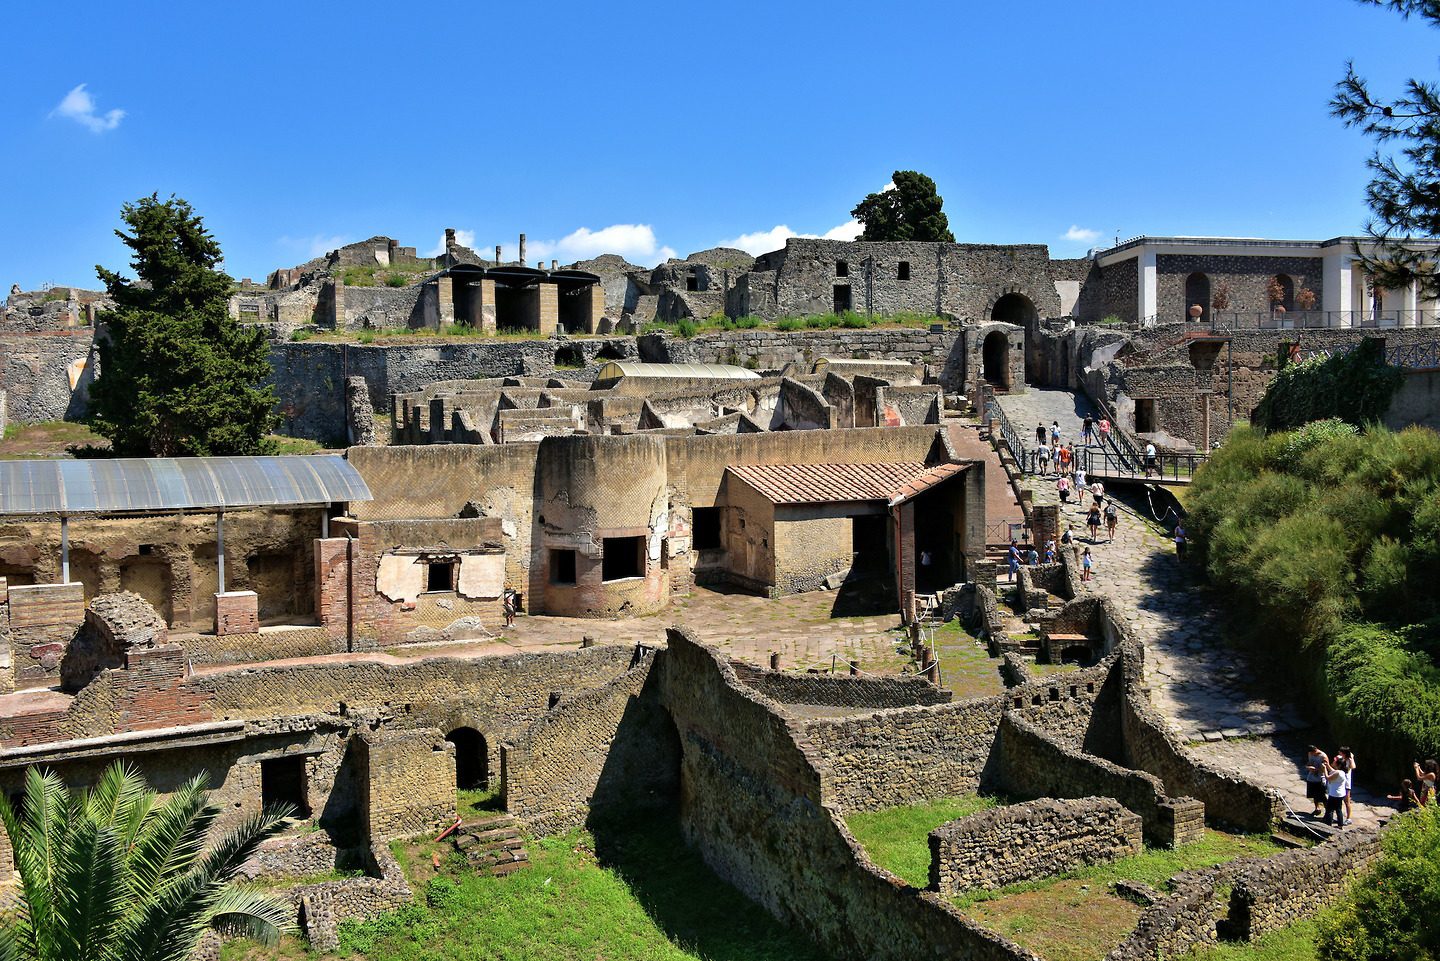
178	375
911	210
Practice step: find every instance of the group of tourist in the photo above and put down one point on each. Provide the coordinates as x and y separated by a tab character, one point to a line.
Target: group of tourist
1420	792
1328	784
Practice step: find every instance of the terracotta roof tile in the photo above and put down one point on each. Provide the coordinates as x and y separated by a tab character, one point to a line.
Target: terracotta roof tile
825	483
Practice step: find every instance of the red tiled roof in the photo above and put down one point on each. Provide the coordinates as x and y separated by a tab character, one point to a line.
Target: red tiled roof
825	483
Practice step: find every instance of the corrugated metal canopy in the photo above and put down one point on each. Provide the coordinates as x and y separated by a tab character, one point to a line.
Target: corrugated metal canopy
632	368
171	484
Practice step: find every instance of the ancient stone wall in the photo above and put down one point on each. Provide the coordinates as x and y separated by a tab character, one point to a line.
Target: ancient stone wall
1248	277
114	624
839	690
601	752
35	372
409	782
899	406
1271	893
755	808
1029	841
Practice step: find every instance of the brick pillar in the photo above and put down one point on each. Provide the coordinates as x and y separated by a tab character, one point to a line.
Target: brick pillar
337	304
445	299
1045	524
597	309
331	582
985	573
904	520
547	308
237	612
485	305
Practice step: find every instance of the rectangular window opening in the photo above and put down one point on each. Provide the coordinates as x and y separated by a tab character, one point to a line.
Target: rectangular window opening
842	268
282	781
624	557
903	271
562	567
705	528
439	576
842	298
692	282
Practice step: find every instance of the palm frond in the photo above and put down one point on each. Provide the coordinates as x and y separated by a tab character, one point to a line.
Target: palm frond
246	912
90	890
237	845
170	838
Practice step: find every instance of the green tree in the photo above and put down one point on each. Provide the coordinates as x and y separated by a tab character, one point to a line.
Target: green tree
1404	192
109	874
178	375
910	210
1391	914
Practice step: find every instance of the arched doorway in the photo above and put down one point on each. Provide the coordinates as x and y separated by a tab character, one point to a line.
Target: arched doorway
472	763
995	359
1197	291
1282	292
1014	309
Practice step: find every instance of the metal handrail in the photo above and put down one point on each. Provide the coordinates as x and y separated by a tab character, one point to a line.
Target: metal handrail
1007	433
1099	462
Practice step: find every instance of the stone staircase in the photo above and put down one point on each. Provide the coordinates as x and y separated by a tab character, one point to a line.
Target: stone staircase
492	845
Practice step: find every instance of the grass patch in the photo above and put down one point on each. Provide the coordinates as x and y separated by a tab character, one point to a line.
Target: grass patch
898	838
637	894
1293	943
52	438
1076	916
478	803
295	445
965	666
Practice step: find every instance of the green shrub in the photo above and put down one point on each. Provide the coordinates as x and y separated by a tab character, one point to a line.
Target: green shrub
788	324
747	322
686	328
851	321
396	280
1392	913
297	336
1355	387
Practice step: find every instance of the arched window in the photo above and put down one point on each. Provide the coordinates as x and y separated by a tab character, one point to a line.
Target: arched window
1197	291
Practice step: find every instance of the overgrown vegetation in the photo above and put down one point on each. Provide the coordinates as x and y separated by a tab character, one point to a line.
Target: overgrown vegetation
1355	387
1327	542
1394	913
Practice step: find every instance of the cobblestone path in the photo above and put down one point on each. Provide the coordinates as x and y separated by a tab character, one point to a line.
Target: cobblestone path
1201	685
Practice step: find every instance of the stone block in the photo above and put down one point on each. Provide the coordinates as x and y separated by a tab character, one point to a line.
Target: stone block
237	612
47	605
1181	821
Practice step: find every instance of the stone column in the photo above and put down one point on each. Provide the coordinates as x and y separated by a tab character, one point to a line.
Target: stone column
485	304
1336	291
522	250
445	299
1149	300
548	308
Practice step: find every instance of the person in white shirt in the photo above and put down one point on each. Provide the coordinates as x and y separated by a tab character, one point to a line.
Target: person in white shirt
1149	459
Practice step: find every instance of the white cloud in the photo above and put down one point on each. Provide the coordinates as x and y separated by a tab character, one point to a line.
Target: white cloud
1080	235
79	106
315	245
764	241
635	242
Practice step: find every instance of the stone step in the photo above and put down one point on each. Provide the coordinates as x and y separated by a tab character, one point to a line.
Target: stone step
510	867
1307	828
1286	840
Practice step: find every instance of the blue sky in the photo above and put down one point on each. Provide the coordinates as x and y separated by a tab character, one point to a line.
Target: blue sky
675	127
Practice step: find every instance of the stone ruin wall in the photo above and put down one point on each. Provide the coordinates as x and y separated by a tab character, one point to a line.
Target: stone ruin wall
1029	841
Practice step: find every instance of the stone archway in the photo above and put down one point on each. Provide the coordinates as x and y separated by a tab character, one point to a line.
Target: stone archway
1014	308
472	762
995	359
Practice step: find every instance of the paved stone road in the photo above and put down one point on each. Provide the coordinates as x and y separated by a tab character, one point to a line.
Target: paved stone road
1202	686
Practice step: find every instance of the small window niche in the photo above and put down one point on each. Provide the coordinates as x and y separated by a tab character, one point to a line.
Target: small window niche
282	781
902	270
439	576
842	268
705	528
624	558
562	567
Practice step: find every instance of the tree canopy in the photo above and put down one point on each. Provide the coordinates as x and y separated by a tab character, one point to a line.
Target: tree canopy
909	210
1404	191
178	375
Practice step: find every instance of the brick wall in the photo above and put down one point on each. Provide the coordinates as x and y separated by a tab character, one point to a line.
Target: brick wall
409	785
44	619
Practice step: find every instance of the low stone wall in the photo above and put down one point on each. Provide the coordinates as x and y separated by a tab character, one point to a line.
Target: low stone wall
840	690
606	749
294	856
322	907
1148	744
1024	842
1271	893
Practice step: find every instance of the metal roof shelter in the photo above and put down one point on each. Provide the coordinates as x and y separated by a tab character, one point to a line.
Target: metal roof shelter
169	485
617	369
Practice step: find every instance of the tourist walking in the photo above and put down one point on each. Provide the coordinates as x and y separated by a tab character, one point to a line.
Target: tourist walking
1062	484
1080	478
1068	537
1315	779
1055	432
1042	460
1013	559
1092	520
1050	552
508	604
1149	458
1180	541
1066	456
1347	764
1104	430
1085	564
1112	518
1097	491
1040	434
1087	429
